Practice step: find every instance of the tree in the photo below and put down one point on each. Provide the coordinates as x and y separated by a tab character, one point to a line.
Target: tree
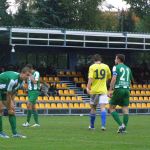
5	16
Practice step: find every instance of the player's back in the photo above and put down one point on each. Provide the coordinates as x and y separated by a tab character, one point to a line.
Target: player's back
8	75
100	73
124	76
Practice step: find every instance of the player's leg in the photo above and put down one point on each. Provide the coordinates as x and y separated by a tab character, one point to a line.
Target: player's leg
103	100
2	134
35	115
93	103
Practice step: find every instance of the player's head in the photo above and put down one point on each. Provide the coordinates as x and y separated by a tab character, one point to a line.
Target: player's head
97	58
30	66
25	73
120	58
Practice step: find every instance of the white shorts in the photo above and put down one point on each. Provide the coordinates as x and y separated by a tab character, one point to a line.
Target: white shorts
98	99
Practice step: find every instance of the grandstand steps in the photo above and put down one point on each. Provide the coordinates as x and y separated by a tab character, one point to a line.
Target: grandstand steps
19	112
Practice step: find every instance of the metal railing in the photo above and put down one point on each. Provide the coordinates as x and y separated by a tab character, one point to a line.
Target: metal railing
79	39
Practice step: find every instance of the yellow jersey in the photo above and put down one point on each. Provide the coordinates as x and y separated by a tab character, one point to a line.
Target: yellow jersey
100	73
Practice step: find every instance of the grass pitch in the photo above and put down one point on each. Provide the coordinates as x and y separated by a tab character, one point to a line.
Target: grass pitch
71	133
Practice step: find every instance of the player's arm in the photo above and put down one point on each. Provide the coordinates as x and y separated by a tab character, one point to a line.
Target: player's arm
113	81
108	76
90	80
35	78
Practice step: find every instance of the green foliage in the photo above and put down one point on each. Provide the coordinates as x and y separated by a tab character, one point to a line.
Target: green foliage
5	18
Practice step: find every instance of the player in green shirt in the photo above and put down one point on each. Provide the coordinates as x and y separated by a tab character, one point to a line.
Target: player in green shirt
121	80
10	82
33	93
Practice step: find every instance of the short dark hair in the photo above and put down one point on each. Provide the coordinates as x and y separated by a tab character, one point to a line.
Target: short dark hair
29	66
121	57
96	57
25	69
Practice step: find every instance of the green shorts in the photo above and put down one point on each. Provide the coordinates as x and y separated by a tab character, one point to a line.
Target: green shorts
3	96
120	97
33	96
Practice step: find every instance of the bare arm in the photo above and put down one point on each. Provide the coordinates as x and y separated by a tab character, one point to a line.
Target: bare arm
89	85
112	83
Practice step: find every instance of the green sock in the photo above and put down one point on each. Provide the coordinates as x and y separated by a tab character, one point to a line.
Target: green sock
29	113
116	118
12	121
125	119
35	115
1	125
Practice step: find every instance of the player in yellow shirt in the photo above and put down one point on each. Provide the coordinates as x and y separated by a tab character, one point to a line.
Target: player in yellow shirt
99	74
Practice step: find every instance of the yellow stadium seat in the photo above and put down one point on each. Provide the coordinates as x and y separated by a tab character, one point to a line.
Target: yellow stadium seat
20	92
68	98
141	99
56	79
138	105
81	79
66	92
148	105
147	93
72	92
53	105
24	106
57	98
146	98
83	86
62	73
27	98
62	98
59	105
145	86
41	106
74	98
51	98
133	105
45	98
87	105
47	105
40	98
68	73
142	92
73	73
135	98
131	99
76	105
45	79
51	79
132	92
71	105
135	86
79	73
58	86
79	98
16	98
22	98
139	86
144	105
138	93
75	79
64	85
37	106
148	86
64	105
82	105
60	92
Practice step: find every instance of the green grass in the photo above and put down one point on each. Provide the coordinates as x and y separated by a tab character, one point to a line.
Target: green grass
71	133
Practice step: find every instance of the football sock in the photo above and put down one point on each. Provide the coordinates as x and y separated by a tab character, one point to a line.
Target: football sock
35	115
29	113
12	121
92	119
116	118
103	117
125	119
1	125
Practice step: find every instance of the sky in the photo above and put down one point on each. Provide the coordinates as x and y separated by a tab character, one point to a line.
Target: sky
118	4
